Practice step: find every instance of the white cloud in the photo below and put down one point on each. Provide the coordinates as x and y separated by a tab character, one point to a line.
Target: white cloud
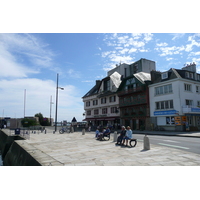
170	50
73	74
22	54
123	44
168	59
38	94
10	67
163	44
191	39
177	35
148	37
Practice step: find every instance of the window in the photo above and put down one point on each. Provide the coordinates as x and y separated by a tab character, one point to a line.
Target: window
96	112
87	103
198	89
163	105
170	120
191	75
107	85
166	89
95	102
89	112
198	77
112	99
103	100
164	75
188	87
113	109
104	111
198	104
187	74
188	102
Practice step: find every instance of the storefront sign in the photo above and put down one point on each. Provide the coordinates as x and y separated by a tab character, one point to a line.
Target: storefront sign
165	112
195	109
178	121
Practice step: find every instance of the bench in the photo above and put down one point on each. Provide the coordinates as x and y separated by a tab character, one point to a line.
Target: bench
132	142
105	137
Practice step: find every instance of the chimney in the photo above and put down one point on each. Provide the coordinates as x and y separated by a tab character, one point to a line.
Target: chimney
155	75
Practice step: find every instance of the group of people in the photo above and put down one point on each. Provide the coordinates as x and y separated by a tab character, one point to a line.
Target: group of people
125	135
99	135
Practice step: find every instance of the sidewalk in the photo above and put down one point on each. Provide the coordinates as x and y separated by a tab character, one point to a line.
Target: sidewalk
75	149
170	133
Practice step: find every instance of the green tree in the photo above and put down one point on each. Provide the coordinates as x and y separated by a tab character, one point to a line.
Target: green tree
43	121
28	122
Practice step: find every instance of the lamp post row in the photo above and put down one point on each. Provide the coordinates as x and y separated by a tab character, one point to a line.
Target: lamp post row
50	103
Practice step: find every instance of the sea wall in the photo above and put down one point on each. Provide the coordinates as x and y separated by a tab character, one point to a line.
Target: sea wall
6	141
17	152
18	156
12	153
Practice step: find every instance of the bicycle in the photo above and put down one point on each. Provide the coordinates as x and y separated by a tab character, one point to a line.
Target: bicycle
62	130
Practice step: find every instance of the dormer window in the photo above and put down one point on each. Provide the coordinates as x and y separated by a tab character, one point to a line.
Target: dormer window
191	75
164	75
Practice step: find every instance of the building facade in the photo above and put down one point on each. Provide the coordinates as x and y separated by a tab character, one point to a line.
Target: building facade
100	103
134	101
175	99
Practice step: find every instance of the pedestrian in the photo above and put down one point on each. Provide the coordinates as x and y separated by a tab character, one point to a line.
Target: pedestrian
128	135
122	134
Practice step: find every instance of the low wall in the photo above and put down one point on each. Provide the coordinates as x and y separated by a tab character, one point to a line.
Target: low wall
17	156
17	152
6	141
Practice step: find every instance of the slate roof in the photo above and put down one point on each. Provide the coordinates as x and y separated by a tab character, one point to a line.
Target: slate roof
94	90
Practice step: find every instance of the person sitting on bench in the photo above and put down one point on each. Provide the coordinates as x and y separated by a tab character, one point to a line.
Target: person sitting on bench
106	132
122	134
128	135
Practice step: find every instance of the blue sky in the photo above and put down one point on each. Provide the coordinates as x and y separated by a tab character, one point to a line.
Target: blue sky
32	61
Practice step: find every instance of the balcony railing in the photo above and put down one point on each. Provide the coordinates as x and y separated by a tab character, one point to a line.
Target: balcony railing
132	90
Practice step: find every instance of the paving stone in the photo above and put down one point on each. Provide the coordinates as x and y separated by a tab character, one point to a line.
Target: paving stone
78	150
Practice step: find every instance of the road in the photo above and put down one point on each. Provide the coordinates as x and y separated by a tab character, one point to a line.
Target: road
190	144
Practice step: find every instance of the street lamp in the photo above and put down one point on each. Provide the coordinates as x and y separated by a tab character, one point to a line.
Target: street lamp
50	108
57	102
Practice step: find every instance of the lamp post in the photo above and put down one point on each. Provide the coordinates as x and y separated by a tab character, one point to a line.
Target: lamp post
50	108
57	102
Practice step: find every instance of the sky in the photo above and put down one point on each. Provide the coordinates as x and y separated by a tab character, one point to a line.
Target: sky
29	64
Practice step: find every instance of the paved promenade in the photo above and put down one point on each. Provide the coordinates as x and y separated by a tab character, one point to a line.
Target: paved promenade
75	149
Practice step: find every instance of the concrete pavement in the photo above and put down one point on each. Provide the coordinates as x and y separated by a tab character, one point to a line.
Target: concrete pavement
75	149
170	133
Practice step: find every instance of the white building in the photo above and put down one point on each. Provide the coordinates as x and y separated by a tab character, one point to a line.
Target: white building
101	102
175	99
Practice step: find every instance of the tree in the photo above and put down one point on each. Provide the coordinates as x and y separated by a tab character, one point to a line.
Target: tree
43	121
28	122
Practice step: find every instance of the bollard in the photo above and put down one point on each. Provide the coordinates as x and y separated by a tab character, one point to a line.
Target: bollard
115	137
45	131
83	132
72	129
146	143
